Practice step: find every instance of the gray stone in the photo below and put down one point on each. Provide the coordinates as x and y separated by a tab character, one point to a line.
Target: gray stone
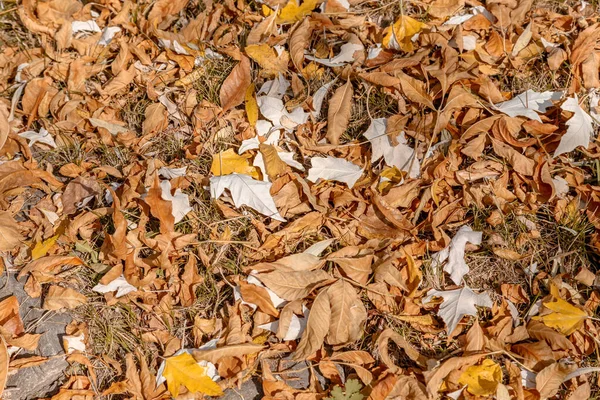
39	381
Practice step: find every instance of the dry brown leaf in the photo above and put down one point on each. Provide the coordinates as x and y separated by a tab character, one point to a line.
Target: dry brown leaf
548	380
4	359
293	285
338	115
274	166
475	339
298	43
354	262
59	297
518	161
411	352
10	236
78	190
414	90
347	313
233	89
435	377
317	326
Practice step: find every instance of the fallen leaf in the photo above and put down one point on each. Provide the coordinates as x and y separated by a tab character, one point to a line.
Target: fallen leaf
234	88
455	253
548	380
246	191
10	236
59	298
229	162
457	303
335	169
579	128
338	115
528	104
564	317
184	370
399	35
482	379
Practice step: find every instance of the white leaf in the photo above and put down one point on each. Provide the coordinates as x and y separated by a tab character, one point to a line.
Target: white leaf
455	253
346	55
318	98
548	45
561	186
119	285
296	328
113	129
108	34
262	128
528	379
73	343
469	42
51	216
275	88
458	303
170	173
273	109
594	98
334	169
319	247
401	156
527	103
180	201
246	191
579	131
38	137
84	26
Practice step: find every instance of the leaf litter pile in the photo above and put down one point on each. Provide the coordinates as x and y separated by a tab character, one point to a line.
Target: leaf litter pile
399	200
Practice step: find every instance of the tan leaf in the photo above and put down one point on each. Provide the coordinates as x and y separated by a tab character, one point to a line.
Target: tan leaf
508	254
435	377
589	70
10	236
59	297
414	90
444	8
120	82
338	115
4	124
233	89
293	285
355	262
535	355
269	60
347	313
555	340
274	166
475	339
76	191
298	43
411	352
317	326
548	380
235	350
520	163
259	296
156	119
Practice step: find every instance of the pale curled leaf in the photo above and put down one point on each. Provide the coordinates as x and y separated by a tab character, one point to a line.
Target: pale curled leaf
335	169
579	128
455	253
458	303
246	191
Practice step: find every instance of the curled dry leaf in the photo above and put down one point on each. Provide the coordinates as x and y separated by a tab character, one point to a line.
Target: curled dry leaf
338	115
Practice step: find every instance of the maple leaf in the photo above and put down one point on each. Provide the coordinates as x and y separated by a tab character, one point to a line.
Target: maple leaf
528	104
246	191
482	379
457	303
455	253
564	317
579	131
184	370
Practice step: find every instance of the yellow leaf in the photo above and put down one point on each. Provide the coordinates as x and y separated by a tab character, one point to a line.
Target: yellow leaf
271	62
483	379
228	162
184	370
389	177
398	36
251	105
42	248
293	12
564	317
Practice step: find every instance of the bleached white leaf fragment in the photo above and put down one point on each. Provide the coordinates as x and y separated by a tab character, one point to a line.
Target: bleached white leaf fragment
119	285
561	186
469	42
108	34
523	40
458	303
246	191
170	173
455	253
84	26
296	328
112	128
180	201
73	343
334	169
528	104
579	128
401	156
43	136
346	55
319	247
273	109
318	98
